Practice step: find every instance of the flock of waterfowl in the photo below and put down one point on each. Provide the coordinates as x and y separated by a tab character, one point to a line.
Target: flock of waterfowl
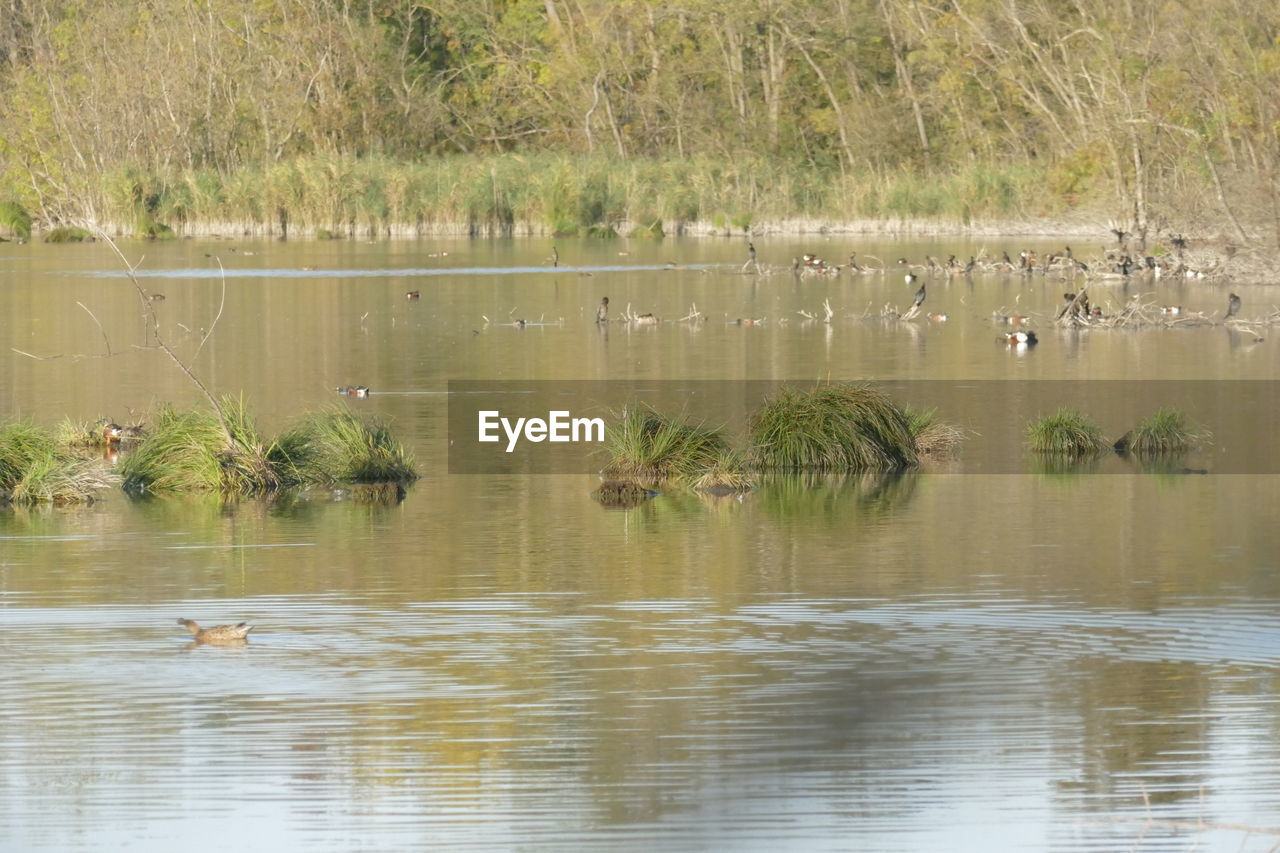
1112	265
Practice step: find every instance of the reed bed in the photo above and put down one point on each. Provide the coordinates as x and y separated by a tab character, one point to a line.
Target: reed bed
1066	433
545	193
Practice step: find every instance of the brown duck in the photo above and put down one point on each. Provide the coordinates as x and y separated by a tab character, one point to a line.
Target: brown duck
218	633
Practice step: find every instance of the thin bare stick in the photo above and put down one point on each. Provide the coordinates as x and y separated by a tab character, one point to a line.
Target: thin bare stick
36	357
222	303
105	339
150	314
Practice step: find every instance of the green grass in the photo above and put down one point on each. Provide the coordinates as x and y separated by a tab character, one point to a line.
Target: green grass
1066	433
846	427
34	469
66	234
1165	432
189	452
727	473
652	447
336	446
14	217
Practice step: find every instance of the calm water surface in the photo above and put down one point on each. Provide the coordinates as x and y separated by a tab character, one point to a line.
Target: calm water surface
938	661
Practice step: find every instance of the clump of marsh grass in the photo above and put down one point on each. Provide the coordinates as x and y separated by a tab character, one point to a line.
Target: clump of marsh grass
1067	433
846	427
14	217
35	469
1166	432
932	437
650	446
189	452
67	234
726	474
336	446
77	435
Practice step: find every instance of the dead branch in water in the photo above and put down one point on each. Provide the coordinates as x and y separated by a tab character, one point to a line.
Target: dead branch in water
153	324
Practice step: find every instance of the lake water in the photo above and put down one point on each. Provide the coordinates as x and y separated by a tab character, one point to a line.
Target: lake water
950	659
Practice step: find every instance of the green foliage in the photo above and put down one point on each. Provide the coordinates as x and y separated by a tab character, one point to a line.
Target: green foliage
845	427
1066	433
15	218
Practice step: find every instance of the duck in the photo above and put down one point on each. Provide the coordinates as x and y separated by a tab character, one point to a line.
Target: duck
1021	339
413	295
938	318
911	278
112	432
647	320
1011	319
602	313
360	391
218	633
749	321
133	432
1171	309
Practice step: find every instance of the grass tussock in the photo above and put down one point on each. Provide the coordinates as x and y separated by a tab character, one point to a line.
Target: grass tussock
933	438
336	446
846	427
67	234
1166	432
1066	433
15	219
189	452
35	469
652	447
727	474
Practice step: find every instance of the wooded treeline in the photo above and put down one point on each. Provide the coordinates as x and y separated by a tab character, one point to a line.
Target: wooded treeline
1152	112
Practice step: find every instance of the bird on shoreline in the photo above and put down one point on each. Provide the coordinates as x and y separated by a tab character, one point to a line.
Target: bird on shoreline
602	313
218	633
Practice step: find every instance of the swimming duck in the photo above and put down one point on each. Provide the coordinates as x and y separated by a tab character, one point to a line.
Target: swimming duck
413	295
749	321
911	278
360	391
647	320
1021	338
218	633
1171	309
938	318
